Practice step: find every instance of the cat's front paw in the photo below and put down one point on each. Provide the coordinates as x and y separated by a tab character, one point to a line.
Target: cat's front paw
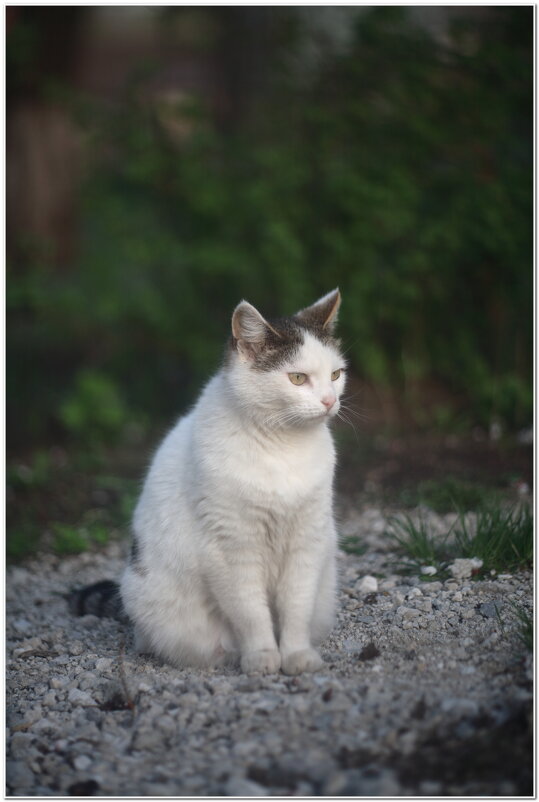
305	660
265	661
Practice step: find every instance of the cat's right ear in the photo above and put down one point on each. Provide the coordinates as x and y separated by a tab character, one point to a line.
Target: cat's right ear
250	330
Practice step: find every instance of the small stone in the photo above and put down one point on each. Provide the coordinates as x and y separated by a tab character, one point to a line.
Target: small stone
460	707
240	786
76	648
464	568
82	762
430	788
22	625
80	698
408	612
428	570
50	699
18	774
367	584
151	740
504	577
103	664
28	645
20	744
489	609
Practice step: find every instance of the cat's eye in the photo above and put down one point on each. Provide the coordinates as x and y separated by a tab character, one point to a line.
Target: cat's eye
297	378
335	375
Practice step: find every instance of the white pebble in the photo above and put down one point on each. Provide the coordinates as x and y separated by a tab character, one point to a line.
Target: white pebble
428	570
77	697
82	762
367	584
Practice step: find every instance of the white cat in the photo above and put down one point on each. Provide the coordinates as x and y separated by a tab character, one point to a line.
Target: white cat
234	538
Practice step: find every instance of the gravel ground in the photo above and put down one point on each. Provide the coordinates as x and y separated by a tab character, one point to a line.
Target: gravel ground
426	691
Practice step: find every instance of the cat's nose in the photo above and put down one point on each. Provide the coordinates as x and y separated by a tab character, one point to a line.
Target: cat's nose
328	401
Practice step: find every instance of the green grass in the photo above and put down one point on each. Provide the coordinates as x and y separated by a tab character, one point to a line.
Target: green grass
501	536
419	544
448	495
525	626
65	501
352	545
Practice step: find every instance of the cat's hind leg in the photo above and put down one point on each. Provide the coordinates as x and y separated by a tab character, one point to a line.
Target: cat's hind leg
177	624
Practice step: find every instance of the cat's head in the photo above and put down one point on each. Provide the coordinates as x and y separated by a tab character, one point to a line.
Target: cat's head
287	372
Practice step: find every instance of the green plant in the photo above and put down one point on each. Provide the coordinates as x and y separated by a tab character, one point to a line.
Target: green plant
352	545
68	539
525	630
420	545
448	495
94	408
404	174
500	536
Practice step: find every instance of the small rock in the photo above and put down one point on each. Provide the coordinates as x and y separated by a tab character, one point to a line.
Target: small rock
28	645
18	774
76	648
430	788
367	584
22	625
240	786
460	707
103	664
428	570
408	612
463	568
50	699
80	698
489	609
149	739
82	762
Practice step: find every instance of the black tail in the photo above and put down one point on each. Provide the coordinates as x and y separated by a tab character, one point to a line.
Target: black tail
101	599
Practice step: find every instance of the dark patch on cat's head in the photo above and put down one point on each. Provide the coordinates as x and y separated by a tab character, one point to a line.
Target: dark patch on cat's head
269	343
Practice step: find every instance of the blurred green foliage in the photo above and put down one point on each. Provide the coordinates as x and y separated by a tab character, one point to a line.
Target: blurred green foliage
401	170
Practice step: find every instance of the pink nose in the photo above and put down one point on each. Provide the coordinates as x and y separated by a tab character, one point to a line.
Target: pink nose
328	401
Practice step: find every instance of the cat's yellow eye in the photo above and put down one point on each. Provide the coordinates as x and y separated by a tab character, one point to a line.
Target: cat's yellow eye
297	378
335	375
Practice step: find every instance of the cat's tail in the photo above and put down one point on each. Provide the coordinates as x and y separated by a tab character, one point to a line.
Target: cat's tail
101	599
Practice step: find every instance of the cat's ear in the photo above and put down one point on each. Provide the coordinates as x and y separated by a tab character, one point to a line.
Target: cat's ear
250	329
323	313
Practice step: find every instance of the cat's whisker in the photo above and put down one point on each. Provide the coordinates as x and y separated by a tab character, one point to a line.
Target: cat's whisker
343	417
356	412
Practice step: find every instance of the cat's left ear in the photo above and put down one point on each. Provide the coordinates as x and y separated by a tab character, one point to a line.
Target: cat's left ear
323	313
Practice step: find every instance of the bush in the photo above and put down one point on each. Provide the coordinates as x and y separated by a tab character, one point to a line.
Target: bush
401	171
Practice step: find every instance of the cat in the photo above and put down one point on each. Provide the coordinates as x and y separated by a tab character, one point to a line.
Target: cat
233	555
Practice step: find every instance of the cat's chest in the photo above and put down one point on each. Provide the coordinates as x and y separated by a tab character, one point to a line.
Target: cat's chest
280	473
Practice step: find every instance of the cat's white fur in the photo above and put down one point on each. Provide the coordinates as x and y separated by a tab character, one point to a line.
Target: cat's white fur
235	526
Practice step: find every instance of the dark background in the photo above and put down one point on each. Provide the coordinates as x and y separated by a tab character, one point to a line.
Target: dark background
163	163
